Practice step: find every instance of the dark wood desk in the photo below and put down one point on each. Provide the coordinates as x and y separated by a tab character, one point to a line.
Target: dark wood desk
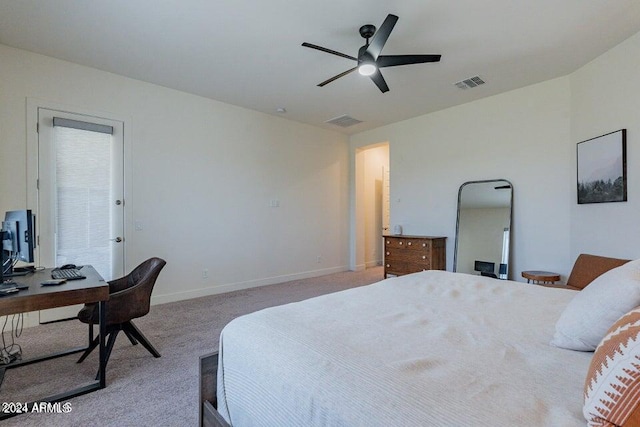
93	289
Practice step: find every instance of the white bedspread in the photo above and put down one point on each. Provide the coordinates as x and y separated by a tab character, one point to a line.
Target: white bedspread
427	349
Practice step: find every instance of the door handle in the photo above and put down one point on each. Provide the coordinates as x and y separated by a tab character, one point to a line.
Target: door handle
117	239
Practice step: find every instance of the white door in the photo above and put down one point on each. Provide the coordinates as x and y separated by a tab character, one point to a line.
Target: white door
80	215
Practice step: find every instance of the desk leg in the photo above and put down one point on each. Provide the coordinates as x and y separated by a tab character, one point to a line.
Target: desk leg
101	381
102	308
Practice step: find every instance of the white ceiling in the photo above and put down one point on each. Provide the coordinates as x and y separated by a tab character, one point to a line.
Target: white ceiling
248	53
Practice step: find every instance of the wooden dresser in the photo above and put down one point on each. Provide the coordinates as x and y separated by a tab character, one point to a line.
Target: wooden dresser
410	254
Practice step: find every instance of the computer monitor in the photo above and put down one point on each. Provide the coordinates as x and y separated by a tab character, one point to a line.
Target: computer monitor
484	267
18	238
5	242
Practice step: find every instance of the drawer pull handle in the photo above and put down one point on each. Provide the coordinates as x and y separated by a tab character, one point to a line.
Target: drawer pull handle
409	244
400	243
424	257
424	244
387	253
387	242
388	265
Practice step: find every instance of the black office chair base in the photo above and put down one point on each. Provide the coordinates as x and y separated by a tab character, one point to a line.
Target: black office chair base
130	331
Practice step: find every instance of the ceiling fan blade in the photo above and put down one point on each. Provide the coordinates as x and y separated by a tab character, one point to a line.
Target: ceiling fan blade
379	81
326	82
381	36
394	60
324	49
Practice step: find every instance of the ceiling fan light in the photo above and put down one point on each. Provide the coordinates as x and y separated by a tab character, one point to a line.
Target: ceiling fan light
367	69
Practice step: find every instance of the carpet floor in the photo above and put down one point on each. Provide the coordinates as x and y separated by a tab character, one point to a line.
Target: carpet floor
142	390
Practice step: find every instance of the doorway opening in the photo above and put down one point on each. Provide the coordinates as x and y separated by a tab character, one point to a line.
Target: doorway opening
372	204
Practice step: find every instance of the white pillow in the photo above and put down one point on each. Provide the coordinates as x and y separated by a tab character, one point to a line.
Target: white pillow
590	314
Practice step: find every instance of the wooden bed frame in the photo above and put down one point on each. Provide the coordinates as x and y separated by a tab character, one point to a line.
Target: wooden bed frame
585	269
209	415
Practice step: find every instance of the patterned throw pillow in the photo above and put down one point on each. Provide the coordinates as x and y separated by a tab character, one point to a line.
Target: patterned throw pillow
612	387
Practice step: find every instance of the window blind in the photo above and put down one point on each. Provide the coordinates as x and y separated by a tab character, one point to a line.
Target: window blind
77	124
83	187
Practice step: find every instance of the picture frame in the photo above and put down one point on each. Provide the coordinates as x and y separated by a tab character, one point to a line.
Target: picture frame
602	168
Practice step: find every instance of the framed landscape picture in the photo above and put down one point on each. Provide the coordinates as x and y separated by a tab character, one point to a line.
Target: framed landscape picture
602	168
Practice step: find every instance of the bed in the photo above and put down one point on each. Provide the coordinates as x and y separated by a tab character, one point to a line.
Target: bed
431	348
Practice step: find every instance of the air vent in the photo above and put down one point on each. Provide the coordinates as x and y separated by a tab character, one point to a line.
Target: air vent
469	83
344	121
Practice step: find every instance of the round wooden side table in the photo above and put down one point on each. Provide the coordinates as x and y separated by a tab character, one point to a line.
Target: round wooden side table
541	276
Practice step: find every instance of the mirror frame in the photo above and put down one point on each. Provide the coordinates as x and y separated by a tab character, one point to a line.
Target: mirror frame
455	250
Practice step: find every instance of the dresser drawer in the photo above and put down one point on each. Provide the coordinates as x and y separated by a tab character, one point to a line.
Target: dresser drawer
414	267
395	267
418	245
405	267
408	256
408	244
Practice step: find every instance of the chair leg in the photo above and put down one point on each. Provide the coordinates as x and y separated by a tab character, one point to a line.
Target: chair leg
131	337
90	333
92	345
112	340
131	328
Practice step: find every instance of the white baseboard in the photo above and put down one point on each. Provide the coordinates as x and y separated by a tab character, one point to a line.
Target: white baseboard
360	267
374	263
230	287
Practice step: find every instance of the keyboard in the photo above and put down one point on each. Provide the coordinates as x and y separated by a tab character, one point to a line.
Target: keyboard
68	274
11	285
10	288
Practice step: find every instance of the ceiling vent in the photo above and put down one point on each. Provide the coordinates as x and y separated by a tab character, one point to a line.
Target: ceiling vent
344	121
469	83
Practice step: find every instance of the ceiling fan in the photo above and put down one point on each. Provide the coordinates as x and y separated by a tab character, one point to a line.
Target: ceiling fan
369	59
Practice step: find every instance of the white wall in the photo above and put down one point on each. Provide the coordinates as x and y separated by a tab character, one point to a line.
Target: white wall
529	137
605	98
202	175
522	136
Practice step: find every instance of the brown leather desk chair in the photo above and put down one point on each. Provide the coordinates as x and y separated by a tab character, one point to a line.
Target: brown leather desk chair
129	298
586	269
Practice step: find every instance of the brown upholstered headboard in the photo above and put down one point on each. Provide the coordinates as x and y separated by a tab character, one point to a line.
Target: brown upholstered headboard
588	267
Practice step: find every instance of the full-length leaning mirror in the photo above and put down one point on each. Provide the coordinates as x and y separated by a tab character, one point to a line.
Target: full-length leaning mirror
483	228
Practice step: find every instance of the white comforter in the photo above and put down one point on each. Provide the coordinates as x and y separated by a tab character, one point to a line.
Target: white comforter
427	349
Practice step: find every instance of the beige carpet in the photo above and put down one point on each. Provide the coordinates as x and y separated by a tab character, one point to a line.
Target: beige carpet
142	390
